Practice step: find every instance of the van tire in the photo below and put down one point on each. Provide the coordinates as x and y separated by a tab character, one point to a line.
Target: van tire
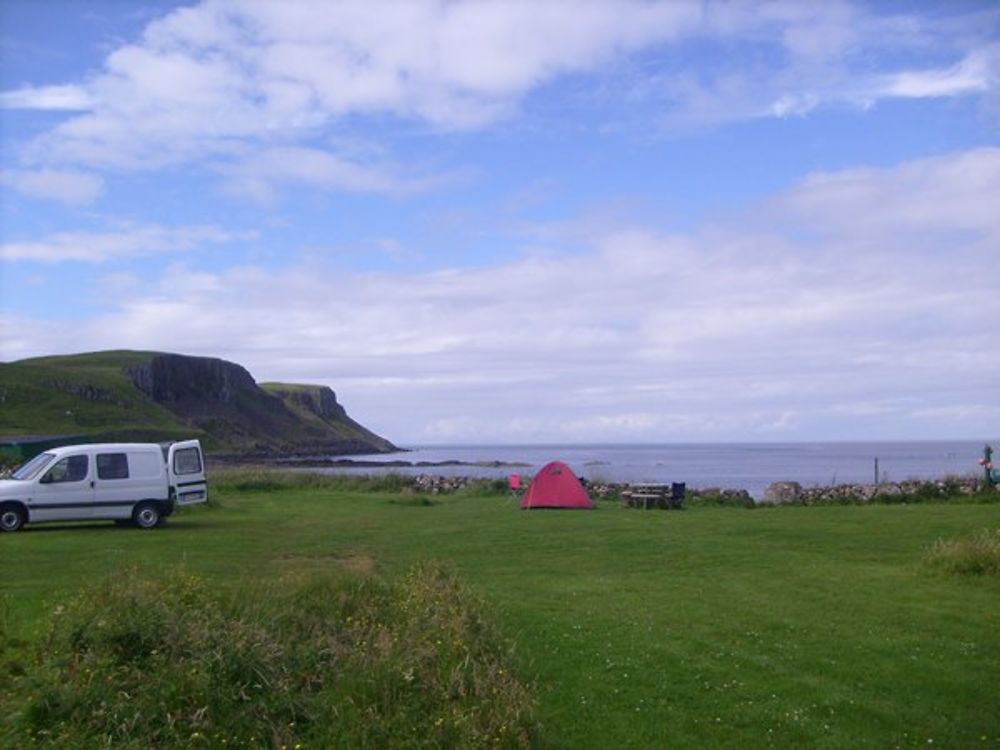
11	517
146	515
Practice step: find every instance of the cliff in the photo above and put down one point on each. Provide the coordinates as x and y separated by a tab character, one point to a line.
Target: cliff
318	405
154	395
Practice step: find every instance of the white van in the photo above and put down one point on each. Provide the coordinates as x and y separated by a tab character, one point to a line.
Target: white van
137	482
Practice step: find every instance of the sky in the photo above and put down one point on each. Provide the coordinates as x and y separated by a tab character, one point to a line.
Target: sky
522	222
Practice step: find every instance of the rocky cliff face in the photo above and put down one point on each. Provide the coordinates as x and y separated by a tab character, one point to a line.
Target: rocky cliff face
223	399
318	404
177	379
318	400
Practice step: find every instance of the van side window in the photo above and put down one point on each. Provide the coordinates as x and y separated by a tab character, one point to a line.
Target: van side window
69	469
187	461
112	466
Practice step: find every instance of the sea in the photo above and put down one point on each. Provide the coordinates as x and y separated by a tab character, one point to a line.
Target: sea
749	466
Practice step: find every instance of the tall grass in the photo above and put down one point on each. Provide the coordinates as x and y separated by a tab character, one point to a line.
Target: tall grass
262	479
978	554
258	478
308	662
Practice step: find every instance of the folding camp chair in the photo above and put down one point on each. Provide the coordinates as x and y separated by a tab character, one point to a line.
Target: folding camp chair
514	483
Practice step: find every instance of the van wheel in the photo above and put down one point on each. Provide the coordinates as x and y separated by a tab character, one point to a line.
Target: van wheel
11	518
146	516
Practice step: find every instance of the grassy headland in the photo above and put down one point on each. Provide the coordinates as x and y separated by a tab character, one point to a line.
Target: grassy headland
152	396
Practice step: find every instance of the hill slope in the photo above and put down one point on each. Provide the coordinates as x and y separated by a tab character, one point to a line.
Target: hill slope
158	396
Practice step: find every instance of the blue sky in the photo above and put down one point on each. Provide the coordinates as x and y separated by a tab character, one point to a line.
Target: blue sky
522	222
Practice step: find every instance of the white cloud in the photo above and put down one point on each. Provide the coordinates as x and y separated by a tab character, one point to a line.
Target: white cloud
914	203
68	97
259	176
740	330
207	79
979	71
65	186
822	55
127	242
218	79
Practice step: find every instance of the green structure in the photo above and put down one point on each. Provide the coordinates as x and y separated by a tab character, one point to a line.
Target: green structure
989	473
22	448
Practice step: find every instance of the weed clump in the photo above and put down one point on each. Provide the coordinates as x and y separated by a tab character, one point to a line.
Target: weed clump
978	554
313	663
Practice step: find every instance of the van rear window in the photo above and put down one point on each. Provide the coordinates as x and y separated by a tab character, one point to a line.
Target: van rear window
187	461
112	466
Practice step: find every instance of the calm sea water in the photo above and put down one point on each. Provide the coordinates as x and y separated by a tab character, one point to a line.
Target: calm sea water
750	466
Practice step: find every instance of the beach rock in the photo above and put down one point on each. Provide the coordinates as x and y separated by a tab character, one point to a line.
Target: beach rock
782	493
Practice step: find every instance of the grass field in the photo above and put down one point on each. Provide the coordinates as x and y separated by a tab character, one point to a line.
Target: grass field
818	627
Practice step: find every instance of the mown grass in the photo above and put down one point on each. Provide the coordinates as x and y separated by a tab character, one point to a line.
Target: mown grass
712	627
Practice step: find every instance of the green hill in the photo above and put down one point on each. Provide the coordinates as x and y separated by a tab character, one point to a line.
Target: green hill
133	395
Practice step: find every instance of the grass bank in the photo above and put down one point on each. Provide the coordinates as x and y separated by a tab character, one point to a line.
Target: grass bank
711	627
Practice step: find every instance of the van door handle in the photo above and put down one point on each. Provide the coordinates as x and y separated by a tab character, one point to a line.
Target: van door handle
91	484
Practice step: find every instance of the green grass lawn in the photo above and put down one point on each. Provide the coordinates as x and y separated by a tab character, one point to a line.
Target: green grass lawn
818	627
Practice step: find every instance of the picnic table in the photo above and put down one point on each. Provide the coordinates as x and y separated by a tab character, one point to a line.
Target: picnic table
663	496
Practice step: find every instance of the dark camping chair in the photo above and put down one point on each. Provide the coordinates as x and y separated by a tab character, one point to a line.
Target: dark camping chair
677	492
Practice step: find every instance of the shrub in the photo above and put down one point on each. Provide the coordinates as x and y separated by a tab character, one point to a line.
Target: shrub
315	663
978	554
488	487
714	497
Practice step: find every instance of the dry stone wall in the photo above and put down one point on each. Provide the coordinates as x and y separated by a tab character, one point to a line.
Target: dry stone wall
793	493
778	493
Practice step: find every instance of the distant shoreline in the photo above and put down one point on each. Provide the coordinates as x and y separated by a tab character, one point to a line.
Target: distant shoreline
355	463
753	467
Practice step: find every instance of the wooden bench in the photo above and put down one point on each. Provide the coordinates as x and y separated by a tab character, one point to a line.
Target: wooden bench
661	496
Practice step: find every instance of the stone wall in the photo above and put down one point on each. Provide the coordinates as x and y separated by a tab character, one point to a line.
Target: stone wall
778	493
915	490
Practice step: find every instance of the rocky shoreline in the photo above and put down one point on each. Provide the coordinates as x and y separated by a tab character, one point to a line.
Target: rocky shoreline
299	462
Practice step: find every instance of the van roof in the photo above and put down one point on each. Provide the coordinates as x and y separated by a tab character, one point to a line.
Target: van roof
106	447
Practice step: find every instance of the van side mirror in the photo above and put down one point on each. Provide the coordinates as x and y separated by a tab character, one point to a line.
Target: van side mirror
47	479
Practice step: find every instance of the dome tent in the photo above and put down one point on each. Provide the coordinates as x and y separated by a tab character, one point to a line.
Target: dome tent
556	486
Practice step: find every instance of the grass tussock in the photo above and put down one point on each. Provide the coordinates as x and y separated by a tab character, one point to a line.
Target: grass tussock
978	554
411	499
12	664
317	663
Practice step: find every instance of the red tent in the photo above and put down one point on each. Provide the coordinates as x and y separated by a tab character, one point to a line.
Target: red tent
556	486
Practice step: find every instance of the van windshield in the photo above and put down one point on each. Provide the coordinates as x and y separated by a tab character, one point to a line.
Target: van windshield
31	469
